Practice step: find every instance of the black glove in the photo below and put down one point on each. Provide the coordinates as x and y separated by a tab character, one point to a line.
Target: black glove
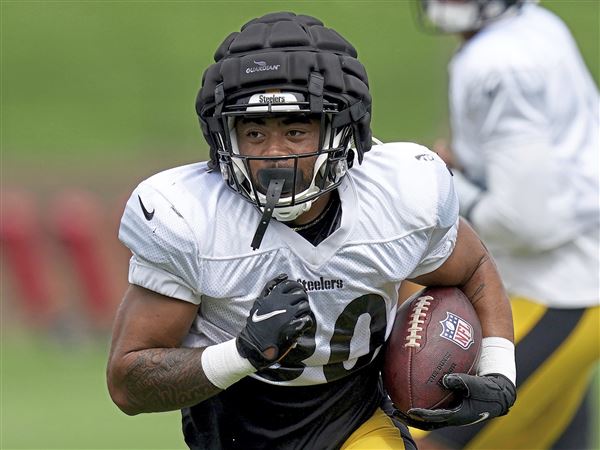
484	397
277	319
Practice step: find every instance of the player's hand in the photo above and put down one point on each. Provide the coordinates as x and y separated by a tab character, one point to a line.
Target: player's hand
279	316
484	397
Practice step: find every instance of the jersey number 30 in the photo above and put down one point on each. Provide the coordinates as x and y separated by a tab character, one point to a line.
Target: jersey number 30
345	327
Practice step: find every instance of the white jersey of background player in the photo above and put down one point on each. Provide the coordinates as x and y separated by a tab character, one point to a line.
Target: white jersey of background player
386	235
526	128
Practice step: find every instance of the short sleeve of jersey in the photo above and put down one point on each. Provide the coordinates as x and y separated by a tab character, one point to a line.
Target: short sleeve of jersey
164	249
443	234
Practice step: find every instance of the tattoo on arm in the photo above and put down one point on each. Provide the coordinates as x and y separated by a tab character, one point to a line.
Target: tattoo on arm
478	294
474	279
166	379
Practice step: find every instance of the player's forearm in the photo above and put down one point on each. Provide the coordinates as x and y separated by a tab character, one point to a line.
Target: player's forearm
159	379
485	290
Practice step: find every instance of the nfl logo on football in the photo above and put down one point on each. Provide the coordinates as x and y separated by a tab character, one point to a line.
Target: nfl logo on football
457	330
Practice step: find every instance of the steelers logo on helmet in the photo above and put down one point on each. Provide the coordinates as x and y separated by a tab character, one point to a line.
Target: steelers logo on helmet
285	65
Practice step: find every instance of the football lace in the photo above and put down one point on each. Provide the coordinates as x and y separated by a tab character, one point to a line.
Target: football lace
417	318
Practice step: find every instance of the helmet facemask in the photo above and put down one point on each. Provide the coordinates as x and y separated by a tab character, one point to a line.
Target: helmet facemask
306	176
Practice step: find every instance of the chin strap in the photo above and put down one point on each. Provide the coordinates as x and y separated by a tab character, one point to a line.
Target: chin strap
273	194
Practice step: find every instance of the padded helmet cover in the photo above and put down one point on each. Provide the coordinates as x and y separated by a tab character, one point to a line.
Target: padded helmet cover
288	52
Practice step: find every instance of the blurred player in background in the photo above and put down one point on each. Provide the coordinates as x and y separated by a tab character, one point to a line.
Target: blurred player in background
264	282
525	143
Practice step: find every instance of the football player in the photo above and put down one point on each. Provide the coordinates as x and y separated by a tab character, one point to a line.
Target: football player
263	283
525	129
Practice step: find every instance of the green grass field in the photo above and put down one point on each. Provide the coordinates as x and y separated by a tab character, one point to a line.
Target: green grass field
99	94
55	397
112	82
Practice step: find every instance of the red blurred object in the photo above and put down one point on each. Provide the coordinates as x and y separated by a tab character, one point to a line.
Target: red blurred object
436	332
26	257
80	222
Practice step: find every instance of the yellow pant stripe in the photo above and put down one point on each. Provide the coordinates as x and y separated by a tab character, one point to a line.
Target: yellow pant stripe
379	432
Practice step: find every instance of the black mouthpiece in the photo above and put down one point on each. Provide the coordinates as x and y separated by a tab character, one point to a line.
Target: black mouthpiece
273	194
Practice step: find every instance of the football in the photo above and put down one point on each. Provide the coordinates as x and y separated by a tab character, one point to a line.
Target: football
436	331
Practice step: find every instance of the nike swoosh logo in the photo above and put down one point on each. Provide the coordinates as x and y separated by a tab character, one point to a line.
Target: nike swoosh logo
260	317
147	214
482	417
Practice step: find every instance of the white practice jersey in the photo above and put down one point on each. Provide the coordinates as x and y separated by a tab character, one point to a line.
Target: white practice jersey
526	127
190	237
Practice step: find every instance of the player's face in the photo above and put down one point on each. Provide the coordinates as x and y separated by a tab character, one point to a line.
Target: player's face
279	137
